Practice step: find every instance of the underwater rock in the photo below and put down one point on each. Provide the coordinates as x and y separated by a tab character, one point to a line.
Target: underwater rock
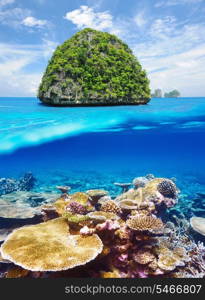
94	68
55	248
27	182
24	205
13	211
198	224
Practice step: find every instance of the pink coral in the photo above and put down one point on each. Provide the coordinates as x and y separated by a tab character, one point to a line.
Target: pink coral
76	208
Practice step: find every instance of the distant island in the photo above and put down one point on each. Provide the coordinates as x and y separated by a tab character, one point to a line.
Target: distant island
94	68
158	94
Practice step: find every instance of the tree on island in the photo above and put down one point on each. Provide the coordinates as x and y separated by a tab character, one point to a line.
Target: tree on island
172	94
157	93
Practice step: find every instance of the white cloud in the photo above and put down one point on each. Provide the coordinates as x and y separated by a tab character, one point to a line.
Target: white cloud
33	22
13	17
174	56
18	67
6	2
177	2
140	19
86	17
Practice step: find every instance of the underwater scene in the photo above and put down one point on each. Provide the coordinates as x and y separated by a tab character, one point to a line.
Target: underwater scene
109	192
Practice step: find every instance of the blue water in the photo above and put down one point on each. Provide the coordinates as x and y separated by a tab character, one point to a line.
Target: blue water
94	146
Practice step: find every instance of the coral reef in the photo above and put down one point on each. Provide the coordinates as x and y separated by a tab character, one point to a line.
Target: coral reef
125	236
9	185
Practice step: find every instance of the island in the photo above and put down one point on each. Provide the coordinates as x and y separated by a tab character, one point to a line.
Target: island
94	68
158	94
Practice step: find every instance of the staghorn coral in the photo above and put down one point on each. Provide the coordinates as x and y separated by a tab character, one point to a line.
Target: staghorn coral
50	247
145	223
110	206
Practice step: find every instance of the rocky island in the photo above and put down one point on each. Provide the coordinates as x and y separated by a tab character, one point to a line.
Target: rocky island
94	68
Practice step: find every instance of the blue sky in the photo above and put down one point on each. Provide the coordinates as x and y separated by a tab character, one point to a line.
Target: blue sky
167	36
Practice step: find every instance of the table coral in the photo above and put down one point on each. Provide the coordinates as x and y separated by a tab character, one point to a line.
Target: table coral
145	223
50	247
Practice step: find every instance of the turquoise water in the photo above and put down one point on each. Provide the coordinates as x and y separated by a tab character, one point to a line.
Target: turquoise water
94	146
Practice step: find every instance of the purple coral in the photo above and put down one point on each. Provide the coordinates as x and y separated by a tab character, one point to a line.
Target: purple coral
76	208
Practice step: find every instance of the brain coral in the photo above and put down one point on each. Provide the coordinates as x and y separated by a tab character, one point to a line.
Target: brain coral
167	188
50	247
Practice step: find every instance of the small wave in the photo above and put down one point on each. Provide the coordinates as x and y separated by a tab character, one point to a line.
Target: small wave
143	127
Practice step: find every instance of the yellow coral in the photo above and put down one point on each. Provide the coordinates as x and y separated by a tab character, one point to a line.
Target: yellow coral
60	206
145	223
80	197
95	195
113	274
50	247
110	206
102	216
168	262
144	256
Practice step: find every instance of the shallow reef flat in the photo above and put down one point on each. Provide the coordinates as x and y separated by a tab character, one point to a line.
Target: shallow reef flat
133	233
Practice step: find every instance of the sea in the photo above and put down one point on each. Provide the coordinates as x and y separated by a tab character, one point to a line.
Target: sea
93	147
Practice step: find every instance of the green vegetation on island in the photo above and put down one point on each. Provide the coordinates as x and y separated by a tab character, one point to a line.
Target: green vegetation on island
94	68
